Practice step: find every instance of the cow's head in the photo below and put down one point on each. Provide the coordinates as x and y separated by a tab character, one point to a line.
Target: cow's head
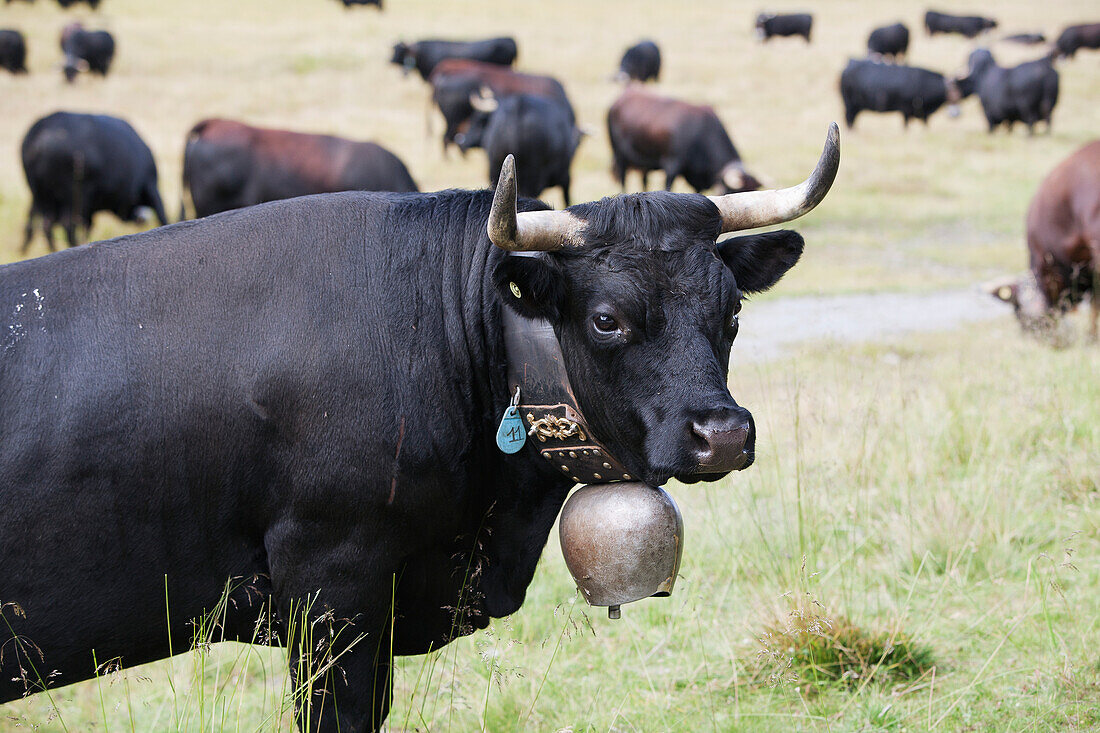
733	178
645	303
1036	315
403	56
482	104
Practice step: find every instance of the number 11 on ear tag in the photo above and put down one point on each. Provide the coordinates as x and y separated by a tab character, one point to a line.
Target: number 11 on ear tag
511	435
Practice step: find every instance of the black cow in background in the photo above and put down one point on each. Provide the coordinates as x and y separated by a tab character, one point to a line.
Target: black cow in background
424	55
352	3
456	81
650	132
1026	39
86	51
889	40
641	62
970	26
13	51
69	3
873	86
539	132
78	164
1078	36
794	24
1026	93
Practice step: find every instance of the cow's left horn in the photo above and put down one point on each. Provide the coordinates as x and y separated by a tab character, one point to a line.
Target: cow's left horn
531	231
752	209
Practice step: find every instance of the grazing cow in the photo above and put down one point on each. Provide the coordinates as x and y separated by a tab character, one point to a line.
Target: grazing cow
539	132
424	56
455	81
889	40
78	164
1078	36
794	24
970	26
69	3
868	85
283	417
86	51
13	51
1026	93
351	3
1063	242
641	62
649	132
229	165
1026	39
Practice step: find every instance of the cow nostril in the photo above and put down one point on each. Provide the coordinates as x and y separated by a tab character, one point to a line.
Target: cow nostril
723	445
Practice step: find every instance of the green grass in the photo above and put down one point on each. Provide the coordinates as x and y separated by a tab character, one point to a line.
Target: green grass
940	489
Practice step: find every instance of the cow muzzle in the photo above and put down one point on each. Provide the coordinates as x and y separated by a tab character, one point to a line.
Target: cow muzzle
724	441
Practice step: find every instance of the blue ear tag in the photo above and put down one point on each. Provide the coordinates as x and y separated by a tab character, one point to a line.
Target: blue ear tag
511	435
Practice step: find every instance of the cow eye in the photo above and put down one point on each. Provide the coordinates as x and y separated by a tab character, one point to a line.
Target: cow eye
605	324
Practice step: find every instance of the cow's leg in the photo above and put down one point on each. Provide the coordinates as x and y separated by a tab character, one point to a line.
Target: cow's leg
47	228
645	180
28	230
565	190
1094	316
671	171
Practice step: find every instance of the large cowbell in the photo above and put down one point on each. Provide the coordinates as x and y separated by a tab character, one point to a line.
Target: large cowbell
622	540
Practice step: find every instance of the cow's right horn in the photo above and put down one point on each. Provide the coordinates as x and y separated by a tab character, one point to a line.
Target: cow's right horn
531	231
752	209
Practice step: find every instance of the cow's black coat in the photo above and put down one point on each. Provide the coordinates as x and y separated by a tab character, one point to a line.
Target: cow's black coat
539	132
78	164
424	55
792	24
300	399
889	40
966	25
1026	93
84	49
13	51
1086	35
867	85
641	62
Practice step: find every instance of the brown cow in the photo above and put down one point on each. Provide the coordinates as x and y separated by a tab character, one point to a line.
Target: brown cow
454	81
229	165
649	132
1063	240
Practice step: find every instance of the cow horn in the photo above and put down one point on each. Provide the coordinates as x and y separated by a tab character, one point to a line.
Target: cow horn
752	209
531	231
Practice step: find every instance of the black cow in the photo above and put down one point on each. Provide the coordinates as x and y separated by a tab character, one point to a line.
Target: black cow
967	25
69	3
539	132
78	164
794	24
13	51
1026	39
641	62
455	81
86	51
351	3
889	40
286	414
425	55
1026	93
649	132
868	85
228	165
1078	36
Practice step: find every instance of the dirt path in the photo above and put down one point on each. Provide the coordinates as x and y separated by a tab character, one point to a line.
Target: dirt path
772	329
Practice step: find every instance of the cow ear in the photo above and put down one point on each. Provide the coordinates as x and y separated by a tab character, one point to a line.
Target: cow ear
759	260
531	285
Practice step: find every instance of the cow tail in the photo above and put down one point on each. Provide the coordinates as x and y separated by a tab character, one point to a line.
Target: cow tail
185	191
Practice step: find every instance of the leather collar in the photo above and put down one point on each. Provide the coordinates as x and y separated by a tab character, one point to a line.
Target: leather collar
548	407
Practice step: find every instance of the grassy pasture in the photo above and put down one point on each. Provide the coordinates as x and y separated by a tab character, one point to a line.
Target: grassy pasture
942	487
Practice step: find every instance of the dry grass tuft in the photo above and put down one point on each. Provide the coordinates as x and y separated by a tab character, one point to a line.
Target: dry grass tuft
807	648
